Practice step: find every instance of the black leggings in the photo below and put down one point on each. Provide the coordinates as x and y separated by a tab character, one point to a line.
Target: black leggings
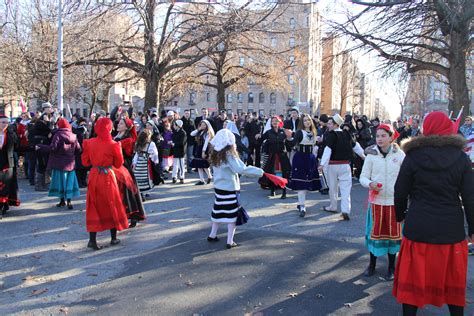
93	235
410	310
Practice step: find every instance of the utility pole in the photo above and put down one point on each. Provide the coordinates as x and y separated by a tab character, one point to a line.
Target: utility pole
60	57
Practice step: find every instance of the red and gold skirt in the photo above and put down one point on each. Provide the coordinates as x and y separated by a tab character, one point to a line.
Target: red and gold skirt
432	274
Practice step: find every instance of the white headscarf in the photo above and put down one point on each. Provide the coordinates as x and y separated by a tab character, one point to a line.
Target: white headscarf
268	125
223	138
232	127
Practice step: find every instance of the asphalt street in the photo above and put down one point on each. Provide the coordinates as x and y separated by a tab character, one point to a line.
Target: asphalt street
285	265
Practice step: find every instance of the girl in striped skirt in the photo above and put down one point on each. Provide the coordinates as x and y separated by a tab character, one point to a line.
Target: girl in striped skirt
227	166
145	150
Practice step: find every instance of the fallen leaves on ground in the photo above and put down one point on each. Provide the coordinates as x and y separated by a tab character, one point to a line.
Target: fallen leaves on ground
38	292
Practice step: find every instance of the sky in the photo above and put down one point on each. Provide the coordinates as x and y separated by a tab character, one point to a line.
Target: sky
385	89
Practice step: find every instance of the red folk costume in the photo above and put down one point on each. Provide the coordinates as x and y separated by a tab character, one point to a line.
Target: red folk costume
104	208
8	178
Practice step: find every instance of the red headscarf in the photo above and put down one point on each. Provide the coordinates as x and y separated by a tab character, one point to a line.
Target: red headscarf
63	123
133	130
389	129
103	127
437	123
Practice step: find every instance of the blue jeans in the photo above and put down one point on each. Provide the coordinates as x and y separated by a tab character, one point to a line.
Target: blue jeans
189	155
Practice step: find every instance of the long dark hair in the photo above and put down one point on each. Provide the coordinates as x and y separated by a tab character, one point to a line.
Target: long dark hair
143	139
218	158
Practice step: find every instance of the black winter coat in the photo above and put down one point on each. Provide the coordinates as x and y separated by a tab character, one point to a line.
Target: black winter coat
435	182
363	137
179	141
188	126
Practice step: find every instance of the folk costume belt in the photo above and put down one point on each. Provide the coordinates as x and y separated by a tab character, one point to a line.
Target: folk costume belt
306	149
103	170
338	162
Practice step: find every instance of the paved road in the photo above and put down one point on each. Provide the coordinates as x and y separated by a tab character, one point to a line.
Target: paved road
285	265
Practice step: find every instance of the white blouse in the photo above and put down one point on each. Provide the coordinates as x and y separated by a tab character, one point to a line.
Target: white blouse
152	152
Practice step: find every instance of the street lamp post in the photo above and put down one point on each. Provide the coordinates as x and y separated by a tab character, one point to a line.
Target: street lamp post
60	56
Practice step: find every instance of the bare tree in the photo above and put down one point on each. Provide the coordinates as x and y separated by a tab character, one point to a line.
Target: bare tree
432	35
245	58
186	34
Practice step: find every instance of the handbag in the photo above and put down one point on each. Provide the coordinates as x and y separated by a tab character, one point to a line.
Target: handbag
242	216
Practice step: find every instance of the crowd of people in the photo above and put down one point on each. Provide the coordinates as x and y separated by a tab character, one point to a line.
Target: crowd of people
418	173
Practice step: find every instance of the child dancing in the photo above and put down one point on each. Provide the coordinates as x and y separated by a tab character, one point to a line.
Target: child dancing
227	166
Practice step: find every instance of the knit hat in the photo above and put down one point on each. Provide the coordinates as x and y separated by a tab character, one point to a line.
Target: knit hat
170	113
438	123
337	119
46	105
223	138
179	123
63	123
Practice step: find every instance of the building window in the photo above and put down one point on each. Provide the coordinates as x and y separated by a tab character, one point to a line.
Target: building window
192	98
241	61
437	95
291	97
290	79
250	97
240	97
84	112
292	60
208	97
273	98
230	98
292	23
292	42
274	42
307	21
261	98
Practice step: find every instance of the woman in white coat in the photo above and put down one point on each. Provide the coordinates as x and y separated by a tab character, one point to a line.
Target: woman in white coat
383	234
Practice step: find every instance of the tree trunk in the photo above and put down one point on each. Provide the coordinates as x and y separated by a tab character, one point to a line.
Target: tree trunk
457	74
220	94
151	91
151	71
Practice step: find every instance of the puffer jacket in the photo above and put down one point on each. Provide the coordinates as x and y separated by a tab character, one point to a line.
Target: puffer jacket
382	170
62	150
434	191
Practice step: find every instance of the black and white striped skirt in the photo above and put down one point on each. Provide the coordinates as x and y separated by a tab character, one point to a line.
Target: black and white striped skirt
226	206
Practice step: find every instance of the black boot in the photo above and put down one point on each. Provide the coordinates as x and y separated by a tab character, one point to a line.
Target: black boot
93	241
69	204
113	237
272	192
61	203
391	267
283	194
370	271
5	208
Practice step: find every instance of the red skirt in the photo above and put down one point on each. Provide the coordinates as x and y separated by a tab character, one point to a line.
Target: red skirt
104	208
432	274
